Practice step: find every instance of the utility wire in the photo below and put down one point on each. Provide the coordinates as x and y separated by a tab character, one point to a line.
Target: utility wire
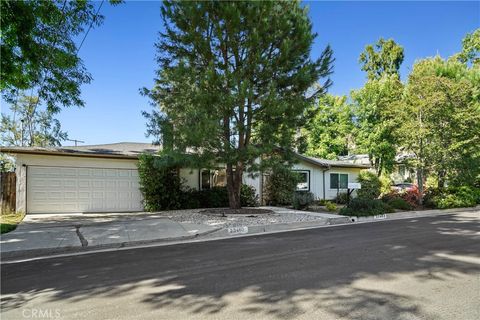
91	24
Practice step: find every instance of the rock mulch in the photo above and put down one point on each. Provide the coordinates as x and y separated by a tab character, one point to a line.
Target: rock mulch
251	217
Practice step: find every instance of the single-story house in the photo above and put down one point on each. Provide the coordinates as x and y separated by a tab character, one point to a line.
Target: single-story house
104	178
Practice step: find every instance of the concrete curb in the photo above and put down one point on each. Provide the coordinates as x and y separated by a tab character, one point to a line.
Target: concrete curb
411	214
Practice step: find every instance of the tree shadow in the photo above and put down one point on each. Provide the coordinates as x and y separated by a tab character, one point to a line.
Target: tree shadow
349	272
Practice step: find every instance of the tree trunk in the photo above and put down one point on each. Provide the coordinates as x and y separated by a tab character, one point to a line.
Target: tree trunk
441	179
234	183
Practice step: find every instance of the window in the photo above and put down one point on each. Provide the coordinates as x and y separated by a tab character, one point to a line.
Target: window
338	181
205	179
212	178
304	184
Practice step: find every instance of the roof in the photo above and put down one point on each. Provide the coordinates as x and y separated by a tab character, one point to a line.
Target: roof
125	150
331	163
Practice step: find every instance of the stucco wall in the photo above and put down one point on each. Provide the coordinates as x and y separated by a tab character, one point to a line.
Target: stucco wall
316	178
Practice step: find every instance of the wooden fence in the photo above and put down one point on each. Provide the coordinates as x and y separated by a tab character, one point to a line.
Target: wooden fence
7	191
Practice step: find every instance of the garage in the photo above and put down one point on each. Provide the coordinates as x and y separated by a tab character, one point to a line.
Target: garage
78	179
76	189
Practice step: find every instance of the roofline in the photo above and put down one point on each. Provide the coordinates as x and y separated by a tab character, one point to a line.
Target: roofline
338	165
68	154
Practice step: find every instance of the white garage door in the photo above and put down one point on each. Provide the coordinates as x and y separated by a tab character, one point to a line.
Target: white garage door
69	189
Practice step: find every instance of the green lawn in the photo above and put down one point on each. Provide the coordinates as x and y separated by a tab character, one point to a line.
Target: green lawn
9	221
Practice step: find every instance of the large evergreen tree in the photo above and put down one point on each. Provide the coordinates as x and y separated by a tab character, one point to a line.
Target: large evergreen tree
234	80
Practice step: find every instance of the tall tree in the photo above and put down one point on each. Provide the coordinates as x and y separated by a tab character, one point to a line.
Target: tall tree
440	120
28	126
382	58
373	108
470	49
235	79
39	52
328	133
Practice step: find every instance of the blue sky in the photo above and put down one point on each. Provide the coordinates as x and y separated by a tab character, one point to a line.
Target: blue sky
120	54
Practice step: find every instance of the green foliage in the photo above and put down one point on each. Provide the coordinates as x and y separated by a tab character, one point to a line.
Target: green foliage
39	128
248	196
453	197
7	163
400	204
332	207
329	132
39	50
341	198
439	120
160	183
235	79
374	108
371	185
365	207
383	58
280	186
470	48
385	184
302	200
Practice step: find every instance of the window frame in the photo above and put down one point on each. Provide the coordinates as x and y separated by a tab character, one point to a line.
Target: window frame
308	179
338	181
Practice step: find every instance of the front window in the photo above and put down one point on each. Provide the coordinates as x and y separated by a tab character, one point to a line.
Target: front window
338	181
304	183
213	178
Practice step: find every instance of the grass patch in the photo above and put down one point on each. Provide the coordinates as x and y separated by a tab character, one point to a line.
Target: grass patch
9	221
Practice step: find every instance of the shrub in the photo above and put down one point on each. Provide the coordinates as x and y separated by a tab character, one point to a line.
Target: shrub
385	184
248	196
411	197
280	186
160	183
302	199
331	206
371	186
365	207
321	202
452	197
341	198
400	204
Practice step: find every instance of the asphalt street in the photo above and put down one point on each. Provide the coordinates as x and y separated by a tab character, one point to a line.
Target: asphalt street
423	268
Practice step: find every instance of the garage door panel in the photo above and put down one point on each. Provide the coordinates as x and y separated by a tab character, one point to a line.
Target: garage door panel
65	189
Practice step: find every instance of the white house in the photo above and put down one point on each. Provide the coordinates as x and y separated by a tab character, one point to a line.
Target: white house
104	178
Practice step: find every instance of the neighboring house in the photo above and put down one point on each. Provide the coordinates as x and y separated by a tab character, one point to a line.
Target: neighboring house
402	170
104	178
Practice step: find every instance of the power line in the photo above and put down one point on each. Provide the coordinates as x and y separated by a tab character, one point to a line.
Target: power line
91	24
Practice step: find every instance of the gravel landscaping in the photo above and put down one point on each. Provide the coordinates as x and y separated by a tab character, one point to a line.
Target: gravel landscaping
213	217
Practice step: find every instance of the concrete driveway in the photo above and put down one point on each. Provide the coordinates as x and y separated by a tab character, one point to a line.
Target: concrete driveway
48	232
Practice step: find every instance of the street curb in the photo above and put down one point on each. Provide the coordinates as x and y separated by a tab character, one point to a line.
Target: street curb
411	214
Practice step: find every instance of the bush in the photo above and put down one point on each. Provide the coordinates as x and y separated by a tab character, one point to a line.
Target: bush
365	207
400	204
385	184
280	186
331	206
341	198
371	185
248	196
411	197
452	197
160	183
302	199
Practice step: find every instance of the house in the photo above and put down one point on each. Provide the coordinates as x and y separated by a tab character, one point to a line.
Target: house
104	178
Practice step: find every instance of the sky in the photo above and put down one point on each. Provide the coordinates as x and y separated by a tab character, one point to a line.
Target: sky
120	54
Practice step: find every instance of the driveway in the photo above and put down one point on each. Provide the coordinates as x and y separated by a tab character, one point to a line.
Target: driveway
419	268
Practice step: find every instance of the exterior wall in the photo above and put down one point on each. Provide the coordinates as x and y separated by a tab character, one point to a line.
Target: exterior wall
190	177
316	178
25	160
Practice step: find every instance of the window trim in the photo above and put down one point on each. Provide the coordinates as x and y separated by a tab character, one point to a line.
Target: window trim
338	173
200	184
309	174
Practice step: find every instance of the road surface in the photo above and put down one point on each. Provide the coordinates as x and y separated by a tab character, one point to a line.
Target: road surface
424	268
